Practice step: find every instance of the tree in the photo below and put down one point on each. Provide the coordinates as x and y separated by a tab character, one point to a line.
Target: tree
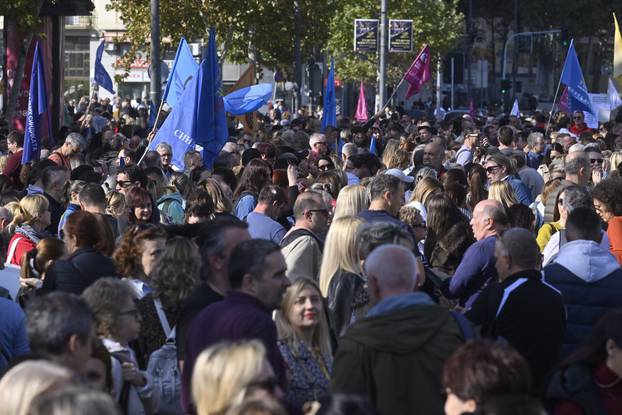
25	15
261	29
437	23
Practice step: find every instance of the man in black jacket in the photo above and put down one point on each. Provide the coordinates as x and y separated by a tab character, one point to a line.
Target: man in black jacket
395	355
520	308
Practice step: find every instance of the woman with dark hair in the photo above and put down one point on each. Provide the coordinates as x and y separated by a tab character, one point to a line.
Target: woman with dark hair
325	163
139	206
607	197
135	257
35	263
477	185
480	370
257	174
86	263
199	207
449	234
456	186
15	144
174	277
590	380
522	217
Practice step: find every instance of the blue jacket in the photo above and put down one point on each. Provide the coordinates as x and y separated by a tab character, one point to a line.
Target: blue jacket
523	194
590	280
476	269
13	338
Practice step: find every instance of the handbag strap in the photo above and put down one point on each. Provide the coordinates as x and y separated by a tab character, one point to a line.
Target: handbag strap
162	317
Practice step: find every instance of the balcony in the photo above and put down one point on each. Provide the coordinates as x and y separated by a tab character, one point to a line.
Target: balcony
78	22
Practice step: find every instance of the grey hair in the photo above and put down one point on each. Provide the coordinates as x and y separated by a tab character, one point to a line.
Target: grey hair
575	164
533	137
576	196
165	146
381	233
76	140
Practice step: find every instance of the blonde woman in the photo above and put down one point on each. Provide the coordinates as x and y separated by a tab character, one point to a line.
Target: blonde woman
222	202
30	220
502	191
24	382
227	373
341	275
614	161
351	200
425	188
304	342
390	150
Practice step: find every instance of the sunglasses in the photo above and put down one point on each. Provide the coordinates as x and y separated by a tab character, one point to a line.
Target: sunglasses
492	169
596	161
124	183
324	212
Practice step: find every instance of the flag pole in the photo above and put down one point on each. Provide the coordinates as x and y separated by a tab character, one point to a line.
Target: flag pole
561	75
392	95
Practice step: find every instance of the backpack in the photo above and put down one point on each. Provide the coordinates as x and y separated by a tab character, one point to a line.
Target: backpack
164	369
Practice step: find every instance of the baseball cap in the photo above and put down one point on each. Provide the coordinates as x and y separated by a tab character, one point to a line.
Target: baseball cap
400	175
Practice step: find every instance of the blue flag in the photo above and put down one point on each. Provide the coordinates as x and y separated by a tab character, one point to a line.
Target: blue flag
372	145
201	122
572	76
153	112
37	107
184	69
101	77
329	112
248	99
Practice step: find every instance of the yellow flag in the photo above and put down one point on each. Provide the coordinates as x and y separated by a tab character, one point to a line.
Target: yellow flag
617	51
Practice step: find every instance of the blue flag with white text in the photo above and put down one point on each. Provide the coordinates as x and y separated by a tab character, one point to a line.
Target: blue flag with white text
572	76
37	109
184	69
201	122
329	111
101	77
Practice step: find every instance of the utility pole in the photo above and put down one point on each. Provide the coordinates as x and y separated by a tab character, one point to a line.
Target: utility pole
382	70
156	80
297	53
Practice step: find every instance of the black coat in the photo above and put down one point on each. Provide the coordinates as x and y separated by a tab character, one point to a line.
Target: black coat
77	272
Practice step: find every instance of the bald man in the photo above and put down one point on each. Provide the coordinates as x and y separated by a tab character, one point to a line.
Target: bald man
519	307
433	155
477	267
395	355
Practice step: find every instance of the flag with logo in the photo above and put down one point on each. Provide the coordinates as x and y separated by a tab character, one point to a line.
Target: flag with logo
361	106
419	72
101	77
184	69
201	122
329	110
572	76
37	117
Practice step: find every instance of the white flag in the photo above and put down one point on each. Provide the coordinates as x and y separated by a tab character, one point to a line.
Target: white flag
515	111
614	97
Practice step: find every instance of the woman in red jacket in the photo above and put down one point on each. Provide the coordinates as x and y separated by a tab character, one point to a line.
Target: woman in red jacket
32	217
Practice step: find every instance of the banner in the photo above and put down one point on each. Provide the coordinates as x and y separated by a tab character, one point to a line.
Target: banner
400	35
36	116
329	109
366	35
361	106
617	51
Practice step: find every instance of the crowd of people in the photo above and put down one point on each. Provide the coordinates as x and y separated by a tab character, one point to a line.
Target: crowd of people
396	266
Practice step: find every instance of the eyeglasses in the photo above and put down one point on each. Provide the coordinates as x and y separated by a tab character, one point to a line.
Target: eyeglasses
124	183
133	313
324	212
596	161
491	169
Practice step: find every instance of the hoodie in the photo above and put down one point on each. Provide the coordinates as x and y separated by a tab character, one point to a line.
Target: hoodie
395	356
590	280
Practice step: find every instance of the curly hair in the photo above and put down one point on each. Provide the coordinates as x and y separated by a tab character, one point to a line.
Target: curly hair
176	272
127	255
104	297
609	192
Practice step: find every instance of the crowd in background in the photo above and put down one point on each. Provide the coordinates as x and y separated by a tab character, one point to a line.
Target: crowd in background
404	265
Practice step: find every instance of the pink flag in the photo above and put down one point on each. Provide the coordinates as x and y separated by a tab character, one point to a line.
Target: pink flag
419	72
472	111
563	101
361	106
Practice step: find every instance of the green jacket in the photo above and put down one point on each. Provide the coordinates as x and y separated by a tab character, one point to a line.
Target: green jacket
396	359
